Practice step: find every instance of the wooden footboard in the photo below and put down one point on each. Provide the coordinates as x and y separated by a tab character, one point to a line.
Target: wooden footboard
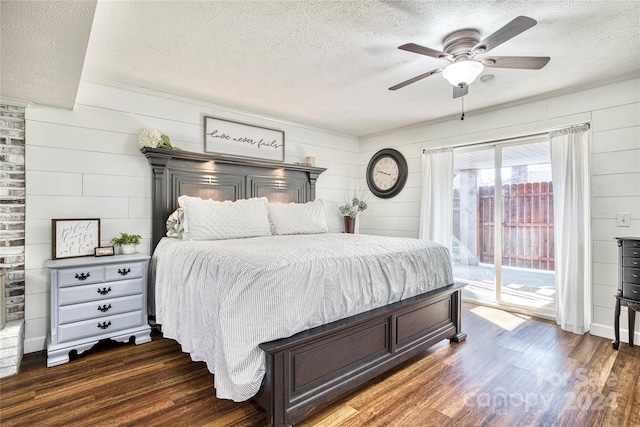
316	366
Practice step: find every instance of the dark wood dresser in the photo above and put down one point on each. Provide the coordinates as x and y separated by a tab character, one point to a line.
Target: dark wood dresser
628	284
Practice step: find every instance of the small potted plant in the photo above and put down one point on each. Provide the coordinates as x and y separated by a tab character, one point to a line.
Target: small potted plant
127	242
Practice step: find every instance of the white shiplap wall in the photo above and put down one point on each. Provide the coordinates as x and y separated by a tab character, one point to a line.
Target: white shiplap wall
86	163
614	113
615	180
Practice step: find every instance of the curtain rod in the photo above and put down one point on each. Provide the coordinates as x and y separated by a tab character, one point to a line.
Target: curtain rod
511	139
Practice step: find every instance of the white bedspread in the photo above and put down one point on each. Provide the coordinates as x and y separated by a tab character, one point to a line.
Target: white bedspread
221	299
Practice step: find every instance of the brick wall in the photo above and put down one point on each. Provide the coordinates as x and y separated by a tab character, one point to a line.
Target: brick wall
12	207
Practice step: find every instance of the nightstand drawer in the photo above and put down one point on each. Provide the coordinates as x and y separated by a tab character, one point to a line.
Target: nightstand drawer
103	325
630	262
99	291
631	291
80	276
632	252
631	275
631	243
125	271
97	309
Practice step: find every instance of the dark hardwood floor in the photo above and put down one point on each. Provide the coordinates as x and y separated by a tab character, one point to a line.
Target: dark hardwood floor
511	371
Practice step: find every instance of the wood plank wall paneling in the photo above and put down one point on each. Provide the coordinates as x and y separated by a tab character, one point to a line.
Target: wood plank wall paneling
512	370
615	177
86	162
614	113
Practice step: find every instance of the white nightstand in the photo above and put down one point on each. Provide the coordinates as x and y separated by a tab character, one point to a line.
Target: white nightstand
96	298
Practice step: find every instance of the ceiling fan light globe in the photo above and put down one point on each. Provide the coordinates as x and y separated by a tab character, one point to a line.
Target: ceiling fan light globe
462	73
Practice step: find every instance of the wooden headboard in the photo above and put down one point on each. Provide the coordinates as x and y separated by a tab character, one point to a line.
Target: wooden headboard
222	178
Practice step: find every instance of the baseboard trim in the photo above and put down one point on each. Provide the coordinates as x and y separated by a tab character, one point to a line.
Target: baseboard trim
606	331
33	345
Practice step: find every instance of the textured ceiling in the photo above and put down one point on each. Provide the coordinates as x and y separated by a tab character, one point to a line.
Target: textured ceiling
327	64
43	46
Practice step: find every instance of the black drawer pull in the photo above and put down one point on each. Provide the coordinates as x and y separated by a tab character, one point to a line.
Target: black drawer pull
104	291
104	308
83	276
124	271
104	325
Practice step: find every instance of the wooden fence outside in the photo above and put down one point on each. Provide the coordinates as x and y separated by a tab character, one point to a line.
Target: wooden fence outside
527	225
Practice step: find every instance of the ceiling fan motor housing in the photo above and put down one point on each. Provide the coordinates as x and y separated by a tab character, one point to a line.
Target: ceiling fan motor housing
461	42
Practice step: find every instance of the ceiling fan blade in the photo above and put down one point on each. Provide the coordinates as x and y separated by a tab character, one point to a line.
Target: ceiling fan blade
416	48
415	79
460	91
509	31
523	62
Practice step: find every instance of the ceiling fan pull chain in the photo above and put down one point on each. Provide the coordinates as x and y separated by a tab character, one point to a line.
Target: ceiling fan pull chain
462	99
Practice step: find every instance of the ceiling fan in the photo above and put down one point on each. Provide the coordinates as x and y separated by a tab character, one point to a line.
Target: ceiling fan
462	46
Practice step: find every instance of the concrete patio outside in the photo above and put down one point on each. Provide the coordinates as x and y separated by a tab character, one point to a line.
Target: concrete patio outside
527	287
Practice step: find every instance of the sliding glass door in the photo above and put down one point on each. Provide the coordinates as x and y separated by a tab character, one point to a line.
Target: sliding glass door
473	222
517	213
528	277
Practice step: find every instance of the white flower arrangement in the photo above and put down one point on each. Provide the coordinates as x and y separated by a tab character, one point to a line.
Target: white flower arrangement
153	138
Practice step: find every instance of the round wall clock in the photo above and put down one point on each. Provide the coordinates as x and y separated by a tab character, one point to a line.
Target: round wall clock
387	173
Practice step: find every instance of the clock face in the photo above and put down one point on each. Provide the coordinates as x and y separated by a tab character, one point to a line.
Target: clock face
387	173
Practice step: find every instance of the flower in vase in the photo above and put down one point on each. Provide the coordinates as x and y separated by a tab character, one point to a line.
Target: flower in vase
352	209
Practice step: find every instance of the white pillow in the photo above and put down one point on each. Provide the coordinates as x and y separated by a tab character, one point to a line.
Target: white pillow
175	226
298	218
211	220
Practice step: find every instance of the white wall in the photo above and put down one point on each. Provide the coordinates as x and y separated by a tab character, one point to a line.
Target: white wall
86	163
614	113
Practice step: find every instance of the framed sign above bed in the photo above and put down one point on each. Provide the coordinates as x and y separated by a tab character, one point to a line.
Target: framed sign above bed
239	139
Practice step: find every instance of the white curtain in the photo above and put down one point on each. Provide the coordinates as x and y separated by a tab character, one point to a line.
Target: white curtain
570	171
436	211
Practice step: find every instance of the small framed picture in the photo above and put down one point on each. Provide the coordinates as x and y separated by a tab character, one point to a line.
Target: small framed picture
104	251
71	238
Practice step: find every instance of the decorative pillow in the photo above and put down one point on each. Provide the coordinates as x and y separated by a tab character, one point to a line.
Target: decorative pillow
298	218
175	226
211	220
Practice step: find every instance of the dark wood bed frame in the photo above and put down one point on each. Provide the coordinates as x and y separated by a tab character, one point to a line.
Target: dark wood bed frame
309	369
